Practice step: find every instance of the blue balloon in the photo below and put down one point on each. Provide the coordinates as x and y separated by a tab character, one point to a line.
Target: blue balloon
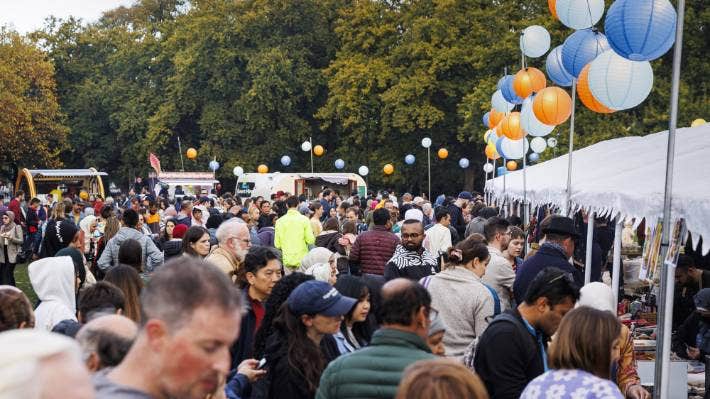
409	159
499	85
499	147
534	157
214	165
339	163
501	171
556	70
508	92
285	160
641	30
581	48
486	118
463	163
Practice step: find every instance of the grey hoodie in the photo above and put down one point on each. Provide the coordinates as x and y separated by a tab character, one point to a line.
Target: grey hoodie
152	256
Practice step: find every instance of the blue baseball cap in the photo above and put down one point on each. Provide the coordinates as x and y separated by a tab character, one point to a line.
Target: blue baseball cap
318	297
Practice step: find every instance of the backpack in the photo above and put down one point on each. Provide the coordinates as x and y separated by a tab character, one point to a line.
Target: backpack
470	353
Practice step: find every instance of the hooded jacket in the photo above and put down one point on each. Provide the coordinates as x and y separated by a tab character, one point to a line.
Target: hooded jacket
152	256
465	306
53	280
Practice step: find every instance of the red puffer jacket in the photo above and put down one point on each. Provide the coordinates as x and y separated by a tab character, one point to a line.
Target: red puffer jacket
372	249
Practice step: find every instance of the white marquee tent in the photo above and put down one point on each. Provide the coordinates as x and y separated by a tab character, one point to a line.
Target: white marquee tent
624	176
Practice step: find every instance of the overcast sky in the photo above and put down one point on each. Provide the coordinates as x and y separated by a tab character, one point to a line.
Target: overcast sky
29	15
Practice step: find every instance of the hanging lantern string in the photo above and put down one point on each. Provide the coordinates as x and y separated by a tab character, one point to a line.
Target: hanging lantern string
589	12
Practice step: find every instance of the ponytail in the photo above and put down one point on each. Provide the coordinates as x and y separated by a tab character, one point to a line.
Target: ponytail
474	246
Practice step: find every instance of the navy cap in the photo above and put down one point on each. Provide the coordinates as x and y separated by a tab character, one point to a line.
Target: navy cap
318	297
465	195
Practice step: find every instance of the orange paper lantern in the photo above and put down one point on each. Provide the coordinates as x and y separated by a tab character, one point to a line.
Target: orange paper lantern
388	169
511	165
491	152
191	153
499	129
443	153
552	106
262	169
528	81
511	126
494	118
318	150
552	5
586	96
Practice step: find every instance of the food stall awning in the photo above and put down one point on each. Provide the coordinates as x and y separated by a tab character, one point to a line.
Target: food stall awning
188	178
624	176
65	173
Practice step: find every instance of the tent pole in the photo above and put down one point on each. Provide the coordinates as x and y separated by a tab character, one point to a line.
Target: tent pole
568	206
588	257
618	225
665	318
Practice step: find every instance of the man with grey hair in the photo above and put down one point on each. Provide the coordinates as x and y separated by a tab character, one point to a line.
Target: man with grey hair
105	341
190	316
234	242
37	364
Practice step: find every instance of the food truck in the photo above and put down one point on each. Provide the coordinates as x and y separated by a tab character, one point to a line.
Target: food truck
40	182
267	184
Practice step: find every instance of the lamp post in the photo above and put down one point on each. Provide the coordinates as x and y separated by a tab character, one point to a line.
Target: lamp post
426	143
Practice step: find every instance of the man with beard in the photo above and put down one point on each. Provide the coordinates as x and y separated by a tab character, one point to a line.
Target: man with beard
234	242
191	316
410	259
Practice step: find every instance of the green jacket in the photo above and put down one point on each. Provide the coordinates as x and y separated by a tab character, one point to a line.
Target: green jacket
293	234
374	371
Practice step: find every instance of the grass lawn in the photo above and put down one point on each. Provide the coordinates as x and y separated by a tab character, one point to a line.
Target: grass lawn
23	282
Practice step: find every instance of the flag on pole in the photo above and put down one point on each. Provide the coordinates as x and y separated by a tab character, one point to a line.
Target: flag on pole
154	162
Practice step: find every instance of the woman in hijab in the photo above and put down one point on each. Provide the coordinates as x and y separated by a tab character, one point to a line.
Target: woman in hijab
88	225
10	245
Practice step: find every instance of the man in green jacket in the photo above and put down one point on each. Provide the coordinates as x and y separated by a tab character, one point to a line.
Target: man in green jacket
375	371
293	234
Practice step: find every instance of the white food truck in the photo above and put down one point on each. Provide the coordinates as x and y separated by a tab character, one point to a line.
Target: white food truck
266	184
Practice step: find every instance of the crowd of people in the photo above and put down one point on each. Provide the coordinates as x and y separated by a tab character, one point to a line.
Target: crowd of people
341	296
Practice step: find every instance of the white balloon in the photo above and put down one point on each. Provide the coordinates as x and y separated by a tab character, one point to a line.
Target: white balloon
238	171
619	83
363	170
579	14
426	142
513	149
552	142
306	146
530	123
538	144
487	167
463	163
535	41
499	104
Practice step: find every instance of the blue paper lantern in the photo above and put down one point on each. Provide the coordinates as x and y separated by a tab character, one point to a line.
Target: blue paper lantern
463	163
501	171
534	157
339	163
499	148
214	165
486	118
581	48
641	30
556	70
409	159
508	93
500	104
285	160
499	85
619	83
579	14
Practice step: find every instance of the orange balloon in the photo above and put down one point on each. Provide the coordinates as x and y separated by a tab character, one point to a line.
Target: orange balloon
318	150
528	81
586	96
491	152
494	118
499	129
552	106
191	153
443	153
511	126
262	169
388	169
552	5
511	165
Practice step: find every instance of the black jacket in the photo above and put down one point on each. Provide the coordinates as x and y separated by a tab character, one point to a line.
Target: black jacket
508	356
547	256
171	248
457	220
243	348
687	336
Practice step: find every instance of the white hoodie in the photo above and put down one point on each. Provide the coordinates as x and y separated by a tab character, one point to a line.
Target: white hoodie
53	280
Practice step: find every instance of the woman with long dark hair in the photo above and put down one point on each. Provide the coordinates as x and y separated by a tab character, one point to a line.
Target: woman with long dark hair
295	354
196	242
129	281
356	328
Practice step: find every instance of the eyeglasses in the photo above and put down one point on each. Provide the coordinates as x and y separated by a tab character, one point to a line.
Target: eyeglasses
433	314
413	235
248	242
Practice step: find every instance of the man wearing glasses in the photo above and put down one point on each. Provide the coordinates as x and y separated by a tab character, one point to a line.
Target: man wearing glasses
411	260
234	242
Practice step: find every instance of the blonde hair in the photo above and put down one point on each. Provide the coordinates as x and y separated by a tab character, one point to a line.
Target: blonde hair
440	379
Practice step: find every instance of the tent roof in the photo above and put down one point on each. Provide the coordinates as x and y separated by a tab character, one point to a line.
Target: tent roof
624	176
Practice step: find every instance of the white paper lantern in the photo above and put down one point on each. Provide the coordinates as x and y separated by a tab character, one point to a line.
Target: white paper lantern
535	41
306	146
363	170
214	165
619	83
238	171
499	104
488	168
426	142
513	149
552	142
538	144
579	14
530	123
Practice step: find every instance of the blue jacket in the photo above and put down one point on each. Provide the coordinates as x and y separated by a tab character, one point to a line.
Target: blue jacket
547	256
